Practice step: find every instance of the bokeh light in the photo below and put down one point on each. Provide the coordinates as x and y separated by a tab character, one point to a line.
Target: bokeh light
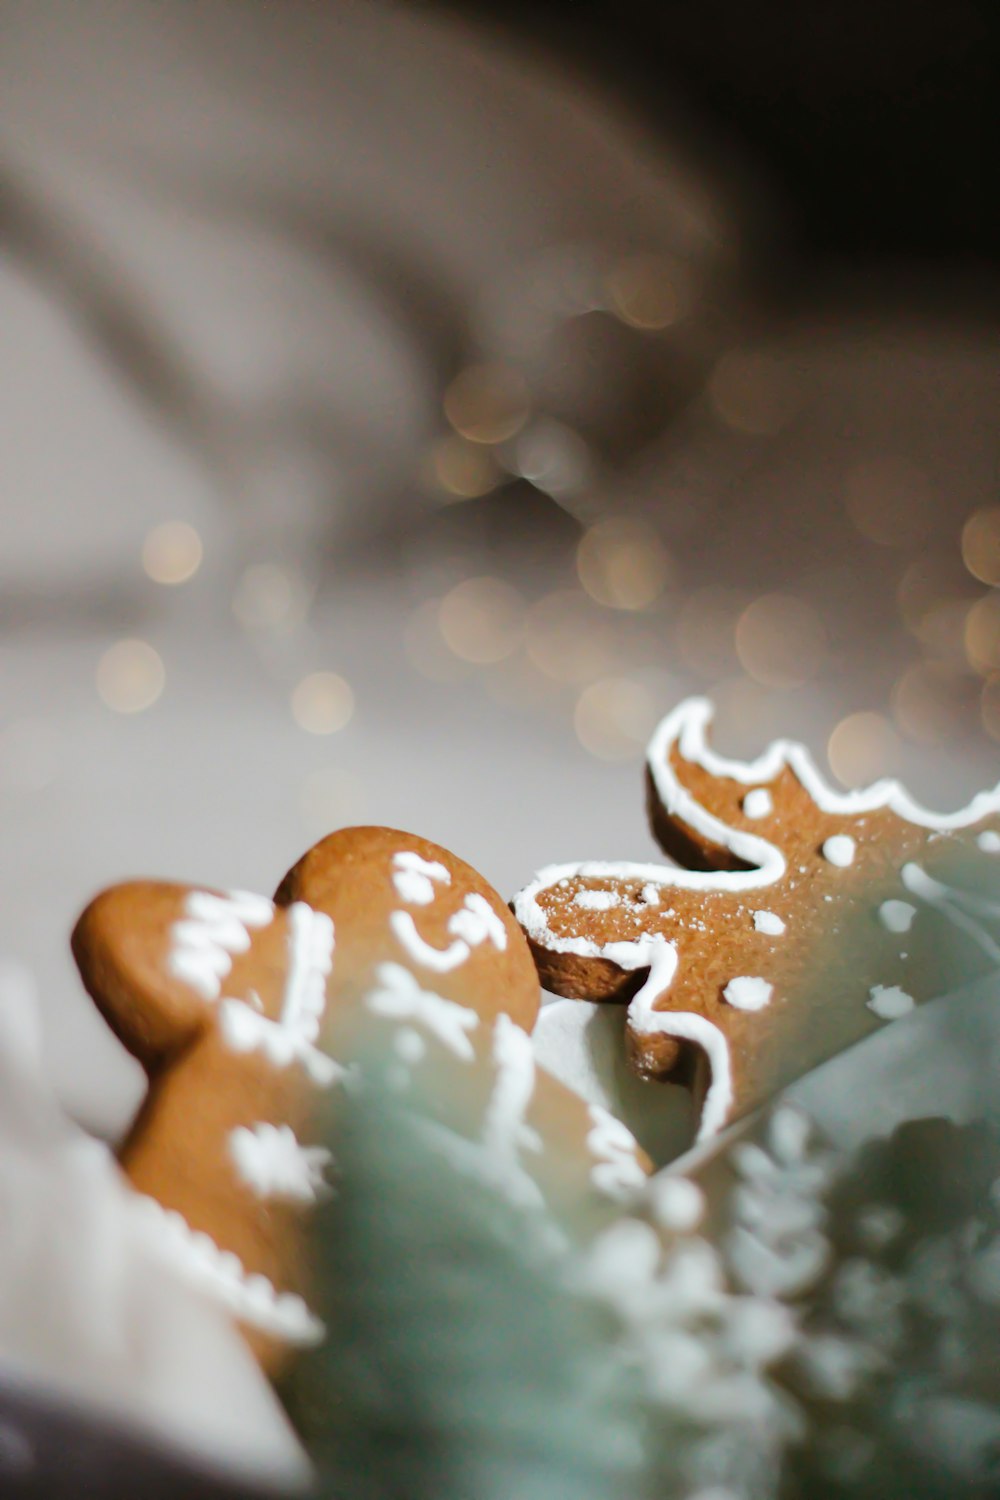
928	702
753	392
463	470
706	631
781	641
426	648
646	291
623	563
614	718
130	676
943	630
322	703
563	638
981	544
982	634
864	747
172	553
932	579
487	403
891	501
481	619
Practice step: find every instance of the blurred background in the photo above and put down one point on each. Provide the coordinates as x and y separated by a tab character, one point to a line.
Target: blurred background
405	405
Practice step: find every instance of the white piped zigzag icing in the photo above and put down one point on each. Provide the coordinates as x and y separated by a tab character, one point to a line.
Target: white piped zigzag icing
293	1037
221	1275
212	929
686	727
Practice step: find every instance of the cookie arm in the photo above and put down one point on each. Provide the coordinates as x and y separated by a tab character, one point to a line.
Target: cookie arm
121	945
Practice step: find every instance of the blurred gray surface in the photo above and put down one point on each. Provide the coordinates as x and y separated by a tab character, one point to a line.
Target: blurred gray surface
248	246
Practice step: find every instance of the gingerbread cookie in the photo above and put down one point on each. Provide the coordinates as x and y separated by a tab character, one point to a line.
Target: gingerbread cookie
245	1015
422	939
804	918
394	896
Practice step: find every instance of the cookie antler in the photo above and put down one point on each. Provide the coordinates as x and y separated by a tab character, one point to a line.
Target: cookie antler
786	879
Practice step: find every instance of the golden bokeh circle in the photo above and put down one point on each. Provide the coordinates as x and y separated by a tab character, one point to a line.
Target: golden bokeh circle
781	641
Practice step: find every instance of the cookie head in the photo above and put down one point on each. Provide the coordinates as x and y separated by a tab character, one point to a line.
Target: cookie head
397	897
805	917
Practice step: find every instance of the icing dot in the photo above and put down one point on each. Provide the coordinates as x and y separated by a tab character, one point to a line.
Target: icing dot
769	922
597	900
889	1002
839	850
897	916
757	804
989	842
677	1203
651	895
748	993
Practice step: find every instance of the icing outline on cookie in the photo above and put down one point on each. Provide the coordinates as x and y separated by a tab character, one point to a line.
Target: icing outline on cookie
685	728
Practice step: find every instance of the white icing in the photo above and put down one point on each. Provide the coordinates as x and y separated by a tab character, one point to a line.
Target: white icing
441	960
768	922
274	1164
246	1030
661	959
758	803
212	929
475	922
495	1158
651	894
617	1171
220	1273
897	916
400	998
889	1002
292	1038
964	909
687	725
840	849
747	992
989	841
414	877
598	900
505	1132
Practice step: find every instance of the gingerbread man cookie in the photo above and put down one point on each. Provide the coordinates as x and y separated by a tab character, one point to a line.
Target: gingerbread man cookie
245	1015
805	917
424	940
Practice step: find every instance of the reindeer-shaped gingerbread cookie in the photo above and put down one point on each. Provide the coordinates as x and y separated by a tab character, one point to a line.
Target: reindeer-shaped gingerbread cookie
803	917
245	1014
